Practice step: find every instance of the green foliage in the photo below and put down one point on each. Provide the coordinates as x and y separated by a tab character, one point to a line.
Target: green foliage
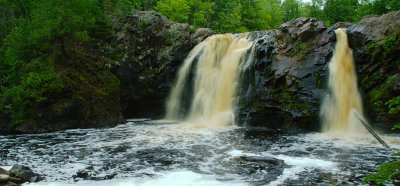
315	9
378	7
37	35
35	85
301	50
394	105
117	10
176	10
340	10
378	96
391	44
200	12
386	172
290	9
229	18
50	31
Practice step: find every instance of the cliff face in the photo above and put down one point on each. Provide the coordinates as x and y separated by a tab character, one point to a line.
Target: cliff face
285	85
376	45
151	49
128	74
131	74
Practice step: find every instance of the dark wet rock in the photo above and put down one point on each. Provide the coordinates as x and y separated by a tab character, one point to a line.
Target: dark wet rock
25	174
375	42
201	34
286	81
86	175
3	171
105	177
82	174
282	89
152	49
261	169
285	85
268	160
11	184
160	156
6	180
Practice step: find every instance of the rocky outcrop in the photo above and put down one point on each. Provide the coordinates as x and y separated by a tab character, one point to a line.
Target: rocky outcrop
152	49
284	86
131	73
17	175
287	75
376	45
89	99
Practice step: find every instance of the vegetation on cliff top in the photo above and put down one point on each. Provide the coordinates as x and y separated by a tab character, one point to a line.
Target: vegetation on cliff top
241	16
41	36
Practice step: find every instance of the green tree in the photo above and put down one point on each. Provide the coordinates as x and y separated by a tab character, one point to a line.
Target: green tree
51	31
228	17
377	7
341	11
290	9
201	12
274	10
176	10
255	15
315	9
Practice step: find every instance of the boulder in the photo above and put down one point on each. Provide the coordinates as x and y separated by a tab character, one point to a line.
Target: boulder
24	173
3	171
283	87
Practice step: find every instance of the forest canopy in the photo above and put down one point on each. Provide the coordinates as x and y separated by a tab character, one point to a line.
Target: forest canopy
250	15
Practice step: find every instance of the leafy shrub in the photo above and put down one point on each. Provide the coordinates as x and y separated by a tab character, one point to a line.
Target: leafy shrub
386	172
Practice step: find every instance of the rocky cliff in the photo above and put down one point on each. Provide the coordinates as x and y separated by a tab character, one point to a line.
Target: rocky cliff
132	72
284	86
151	49
127	75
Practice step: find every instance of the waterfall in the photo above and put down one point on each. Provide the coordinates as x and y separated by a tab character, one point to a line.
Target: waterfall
343	100
211	71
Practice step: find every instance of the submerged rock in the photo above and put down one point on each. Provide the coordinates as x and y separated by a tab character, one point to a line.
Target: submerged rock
24	173
3	171
261	169
17	175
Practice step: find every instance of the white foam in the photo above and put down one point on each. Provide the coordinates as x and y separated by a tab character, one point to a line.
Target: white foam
300	164
59	156
236	153
6	167
176	178
184	178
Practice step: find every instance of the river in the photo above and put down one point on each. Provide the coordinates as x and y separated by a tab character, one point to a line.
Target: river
164	153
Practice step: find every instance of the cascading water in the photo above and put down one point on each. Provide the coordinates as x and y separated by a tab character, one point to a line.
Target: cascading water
343	100
215	81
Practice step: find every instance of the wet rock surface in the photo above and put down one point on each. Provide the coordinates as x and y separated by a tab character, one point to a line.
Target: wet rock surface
375	42
284	86
152	49
24	173
17	175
